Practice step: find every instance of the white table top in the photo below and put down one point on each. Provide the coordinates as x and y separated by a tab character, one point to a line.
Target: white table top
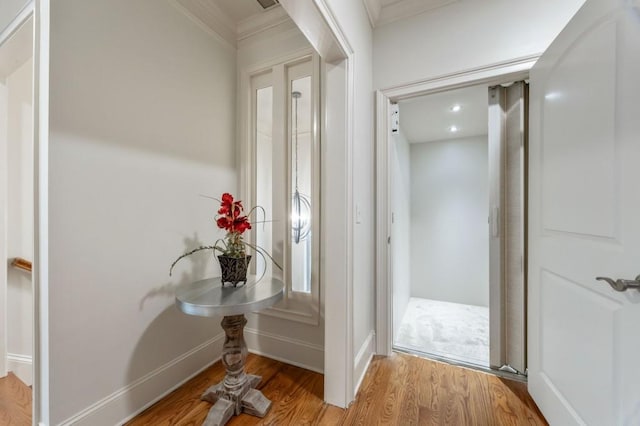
207	298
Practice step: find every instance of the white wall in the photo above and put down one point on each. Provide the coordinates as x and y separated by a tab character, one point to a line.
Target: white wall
401	228
142	122
465	34
19	223
449	229
353	19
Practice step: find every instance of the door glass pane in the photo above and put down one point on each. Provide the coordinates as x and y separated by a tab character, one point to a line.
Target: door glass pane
301	183
264	176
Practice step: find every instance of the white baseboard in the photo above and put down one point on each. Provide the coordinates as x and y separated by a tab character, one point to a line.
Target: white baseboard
291	351
127	402
21	366
363	359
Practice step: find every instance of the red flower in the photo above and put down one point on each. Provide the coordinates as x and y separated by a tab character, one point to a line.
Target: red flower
229	215
224	223
228	205
241	224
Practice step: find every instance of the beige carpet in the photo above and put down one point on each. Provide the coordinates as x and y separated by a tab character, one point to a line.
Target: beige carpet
449	330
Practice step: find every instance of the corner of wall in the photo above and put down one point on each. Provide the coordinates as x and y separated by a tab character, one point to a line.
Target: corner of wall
21	366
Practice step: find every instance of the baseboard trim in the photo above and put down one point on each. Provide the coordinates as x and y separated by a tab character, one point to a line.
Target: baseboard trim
363	359
143	392
291	351
20	359
21	366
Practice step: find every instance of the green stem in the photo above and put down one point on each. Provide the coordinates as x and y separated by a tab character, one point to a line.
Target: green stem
214	248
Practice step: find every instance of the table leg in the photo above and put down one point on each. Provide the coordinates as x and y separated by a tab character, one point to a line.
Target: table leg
236	392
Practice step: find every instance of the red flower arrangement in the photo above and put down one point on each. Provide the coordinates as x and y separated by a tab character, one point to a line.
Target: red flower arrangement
232	219
229	215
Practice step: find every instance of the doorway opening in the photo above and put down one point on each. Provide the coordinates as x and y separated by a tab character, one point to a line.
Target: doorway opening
440	250
457	181
17	219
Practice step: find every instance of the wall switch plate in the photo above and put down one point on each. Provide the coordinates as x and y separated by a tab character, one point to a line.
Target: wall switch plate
358	215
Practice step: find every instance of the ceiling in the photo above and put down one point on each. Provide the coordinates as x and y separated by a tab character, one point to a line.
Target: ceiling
235	20
429	118
387	10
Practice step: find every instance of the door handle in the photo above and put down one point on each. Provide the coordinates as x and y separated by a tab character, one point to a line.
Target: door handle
620	284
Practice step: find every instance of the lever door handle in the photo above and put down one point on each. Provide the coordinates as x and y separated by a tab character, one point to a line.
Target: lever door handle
620	284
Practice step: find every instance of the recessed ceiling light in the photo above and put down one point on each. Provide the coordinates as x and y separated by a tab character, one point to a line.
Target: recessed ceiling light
456	108
453	129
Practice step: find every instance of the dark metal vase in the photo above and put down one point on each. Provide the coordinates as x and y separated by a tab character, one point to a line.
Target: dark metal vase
234	269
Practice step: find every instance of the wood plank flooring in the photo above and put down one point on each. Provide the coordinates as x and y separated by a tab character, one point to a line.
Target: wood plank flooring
397	390
15	402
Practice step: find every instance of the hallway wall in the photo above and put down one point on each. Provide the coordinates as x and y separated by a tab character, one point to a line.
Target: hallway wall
465	35
142	123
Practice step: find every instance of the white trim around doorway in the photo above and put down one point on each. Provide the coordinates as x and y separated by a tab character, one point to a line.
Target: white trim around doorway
41	213
17	24
317	22
39	10
492	74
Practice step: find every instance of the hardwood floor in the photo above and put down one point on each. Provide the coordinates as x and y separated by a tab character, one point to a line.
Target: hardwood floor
15	402
397	390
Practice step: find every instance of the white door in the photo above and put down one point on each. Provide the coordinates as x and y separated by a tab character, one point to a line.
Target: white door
584	337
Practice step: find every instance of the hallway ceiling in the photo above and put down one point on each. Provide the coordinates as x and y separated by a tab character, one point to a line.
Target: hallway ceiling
233	20
429	118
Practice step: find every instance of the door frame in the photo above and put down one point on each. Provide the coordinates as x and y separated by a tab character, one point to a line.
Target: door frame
493	74
16	25
319	24
39	10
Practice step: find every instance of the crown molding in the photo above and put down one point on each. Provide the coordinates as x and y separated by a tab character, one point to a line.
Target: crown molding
373	8
215	21
404	9
210	17
259	22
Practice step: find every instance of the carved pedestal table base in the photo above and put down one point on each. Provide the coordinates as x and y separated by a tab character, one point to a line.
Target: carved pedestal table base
208	298
236	393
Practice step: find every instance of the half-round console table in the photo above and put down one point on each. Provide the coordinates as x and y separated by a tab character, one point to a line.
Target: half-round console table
208	298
